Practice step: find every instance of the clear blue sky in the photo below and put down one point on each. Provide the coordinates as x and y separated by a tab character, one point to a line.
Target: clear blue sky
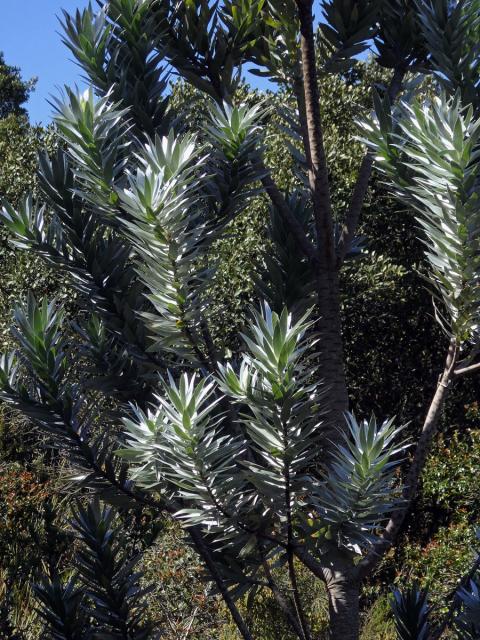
29	38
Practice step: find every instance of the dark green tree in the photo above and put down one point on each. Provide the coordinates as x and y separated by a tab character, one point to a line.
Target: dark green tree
14	91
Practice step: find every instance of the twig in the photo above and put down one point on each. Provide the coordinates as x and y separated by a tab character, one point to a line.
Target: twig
282	601
185	636
471	369
212	567
296	596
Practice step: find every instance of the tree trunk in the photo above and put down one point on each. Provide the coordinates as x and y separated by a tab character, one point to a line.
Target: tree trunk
331	368
343	600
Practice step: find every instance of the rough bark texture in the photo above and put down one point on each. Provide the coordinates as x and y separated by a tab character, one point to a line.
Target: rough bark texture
343	599
331	368
318	172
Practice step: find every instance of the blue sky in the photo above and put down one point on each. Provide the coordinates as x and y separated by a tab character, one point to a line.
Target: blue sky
29	38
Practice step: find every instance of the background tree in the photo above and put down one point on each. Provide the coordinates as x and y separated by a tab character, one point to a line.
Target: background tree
14	91
27	490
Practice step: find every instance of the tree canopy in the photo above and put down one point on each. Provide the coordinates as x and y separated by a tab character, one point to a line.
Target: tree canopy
14	91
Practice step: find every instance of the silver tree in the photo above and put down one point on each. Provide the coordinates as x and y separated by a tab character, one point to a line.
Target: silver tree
259	455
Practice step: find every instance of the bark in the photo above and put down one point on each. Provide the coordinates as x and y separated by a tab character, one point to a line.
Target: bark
473	368
331	368
302	115
343	589
318	170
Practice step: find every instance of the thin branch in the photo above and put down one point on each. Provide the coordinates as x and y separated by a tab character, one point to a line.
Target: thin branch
471	369
282	601
214	572
190	624
296	595
302	115
291	567
413	478
315	567
361	185
318	170
101	471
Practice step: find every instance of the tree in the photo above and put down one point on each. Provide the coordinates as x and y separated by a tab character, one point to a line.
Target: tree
14	91
257	455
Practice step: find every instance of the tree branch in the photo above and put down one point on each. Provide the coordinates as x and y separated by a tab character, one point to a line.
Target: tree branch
302	115
102	472
291	566
282	602
309	561
205	554
296	595
361	186
422	449
318	171
471	369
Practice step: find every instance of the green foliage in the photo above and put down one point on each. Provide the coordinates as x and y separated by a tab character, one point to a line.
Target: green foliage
95	132
28	506
378	623
60	607
347	28
135	212
14	91
181	443
399	39
29	497
360	482
450	482
431	156
116	47
103	597
451	30
438	544
181	599
411	611
468	621
19	146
